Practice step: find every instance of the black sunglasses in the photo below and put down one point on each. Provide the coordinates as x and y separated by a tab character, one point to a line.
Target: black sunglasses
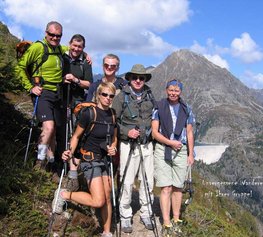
106	95
135	77
54	35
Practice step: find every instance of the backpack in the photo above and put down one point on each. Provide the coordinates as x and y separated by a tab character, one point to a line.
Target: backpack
91	107
126	103
22	47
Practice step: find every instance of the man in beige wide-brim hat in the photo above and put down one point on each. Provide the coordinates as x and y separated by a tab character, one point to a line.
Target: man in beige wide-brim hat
139	70
133	111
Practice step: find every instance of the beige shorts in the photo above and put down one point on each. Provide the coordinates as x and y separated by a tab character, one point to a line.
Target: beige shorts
170	172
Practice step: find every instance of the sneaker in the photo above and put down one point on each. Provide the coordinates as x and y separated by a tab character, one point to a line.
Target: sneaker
176	227
106	234
147	223
126	225
40	165
167	231
72	184
60	202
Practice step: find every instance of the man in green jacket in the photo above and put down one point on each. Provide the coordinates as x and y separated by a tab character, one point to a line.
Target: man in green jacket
44	84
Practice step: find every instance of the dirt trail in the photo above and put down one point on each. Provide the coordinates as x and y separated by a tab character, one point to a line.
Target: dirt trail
138	228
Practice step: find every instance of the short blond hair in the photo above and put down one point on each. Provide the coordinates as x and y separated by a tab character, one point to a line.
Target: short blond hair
104	85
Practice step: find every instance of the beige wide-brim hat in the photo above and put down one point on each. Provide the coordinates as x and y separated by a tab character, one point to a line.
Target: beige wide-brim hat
138	69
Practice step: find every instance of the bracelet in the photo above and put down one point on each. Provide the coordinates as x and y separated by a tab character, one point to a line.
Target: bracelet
78	82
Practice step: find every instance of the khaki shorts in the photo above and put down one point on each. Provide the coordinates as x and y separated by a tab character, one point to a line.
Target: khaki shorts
170	172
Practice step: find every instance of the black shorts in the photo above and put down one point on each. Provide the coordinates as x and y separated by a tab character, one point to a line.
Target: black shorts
49	107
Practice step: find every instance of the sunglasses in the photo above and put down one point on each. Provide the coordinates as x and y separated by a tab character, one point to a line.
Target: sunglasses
106	95
112	66
135	78
54	35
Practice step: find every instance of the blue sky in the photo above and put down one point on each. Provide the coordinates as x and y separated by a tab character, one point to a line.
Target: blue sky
226	32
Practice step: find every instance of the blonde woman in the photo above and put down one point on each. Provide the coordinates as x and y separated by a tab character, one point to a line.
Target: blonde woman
95	152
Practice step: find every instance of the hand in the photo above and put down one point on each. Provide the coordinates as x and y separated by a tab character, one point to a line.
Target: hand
176	145
111	150
134	133
70	78
66	155
88	58
36	90
190	160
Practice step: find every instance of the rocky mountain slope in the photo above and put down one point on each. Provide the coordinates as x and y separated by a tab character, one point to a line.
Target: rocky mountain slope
222	104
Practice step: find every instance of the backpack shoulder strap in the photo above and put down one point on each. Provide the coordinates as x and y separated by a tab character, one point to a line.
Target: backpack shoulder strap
44	57
93	119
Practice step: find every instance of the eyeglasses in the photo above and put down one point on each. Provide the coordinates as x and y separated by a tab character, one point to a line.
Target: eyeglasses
112	66
136	77
106	95
54	35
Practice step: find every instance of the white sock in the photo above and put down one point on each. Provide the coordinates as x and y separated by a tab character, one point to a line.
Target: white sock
42	151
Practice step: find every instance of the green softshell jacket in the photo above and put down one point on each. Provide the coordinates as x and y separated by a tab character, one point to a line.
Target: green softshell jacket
50	71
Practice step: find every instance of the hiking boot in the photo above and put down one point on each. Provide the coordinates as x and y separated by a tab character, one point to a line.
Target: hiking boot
147	223
167	231
60	202
176	227
106	234
40	165
126	225
72	185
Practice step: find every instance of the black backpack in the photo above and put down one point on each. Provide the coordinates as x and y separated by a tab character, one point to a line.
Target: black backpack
91	107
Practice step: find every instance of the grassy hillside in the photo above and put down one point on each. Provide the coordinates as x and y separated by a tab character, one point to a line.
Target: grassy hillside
26	195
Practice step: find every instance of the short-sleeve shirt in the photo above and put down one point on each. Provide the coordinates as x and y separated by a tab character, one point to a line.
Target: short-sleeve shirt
174	113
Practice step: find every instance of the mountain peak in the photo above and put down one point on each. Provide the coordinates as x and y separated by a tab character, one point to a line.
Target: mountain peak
221	102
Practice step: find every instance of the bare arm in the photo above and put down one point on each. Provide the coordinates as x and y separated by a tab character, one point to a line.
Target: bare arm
113	148
66	155
70	78
190	143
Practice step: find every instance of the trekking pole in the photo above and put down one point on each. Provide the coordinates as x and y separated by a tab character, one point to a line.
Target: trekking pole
33	120
189	185
64	171
108	141
125	170
125	173
147	189
69	123
55	204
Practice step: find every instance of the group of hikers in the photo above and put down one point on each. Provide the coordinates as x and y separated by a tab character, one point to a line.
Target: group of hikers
147	139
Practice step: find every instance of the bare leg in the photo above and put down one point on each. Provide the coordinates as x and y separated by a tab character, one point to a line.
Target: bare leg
165	204
72	166
106	210
176	202
48	128
96	198
52	146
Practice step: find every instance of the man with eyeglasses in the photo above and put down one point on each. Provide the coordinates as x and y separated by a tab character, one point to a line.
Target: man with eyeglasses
111	64
44	87
134	108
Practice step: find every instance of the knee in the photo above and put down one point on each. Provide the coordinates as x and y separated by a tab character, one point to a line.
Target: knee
166	190
99	202
48	128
